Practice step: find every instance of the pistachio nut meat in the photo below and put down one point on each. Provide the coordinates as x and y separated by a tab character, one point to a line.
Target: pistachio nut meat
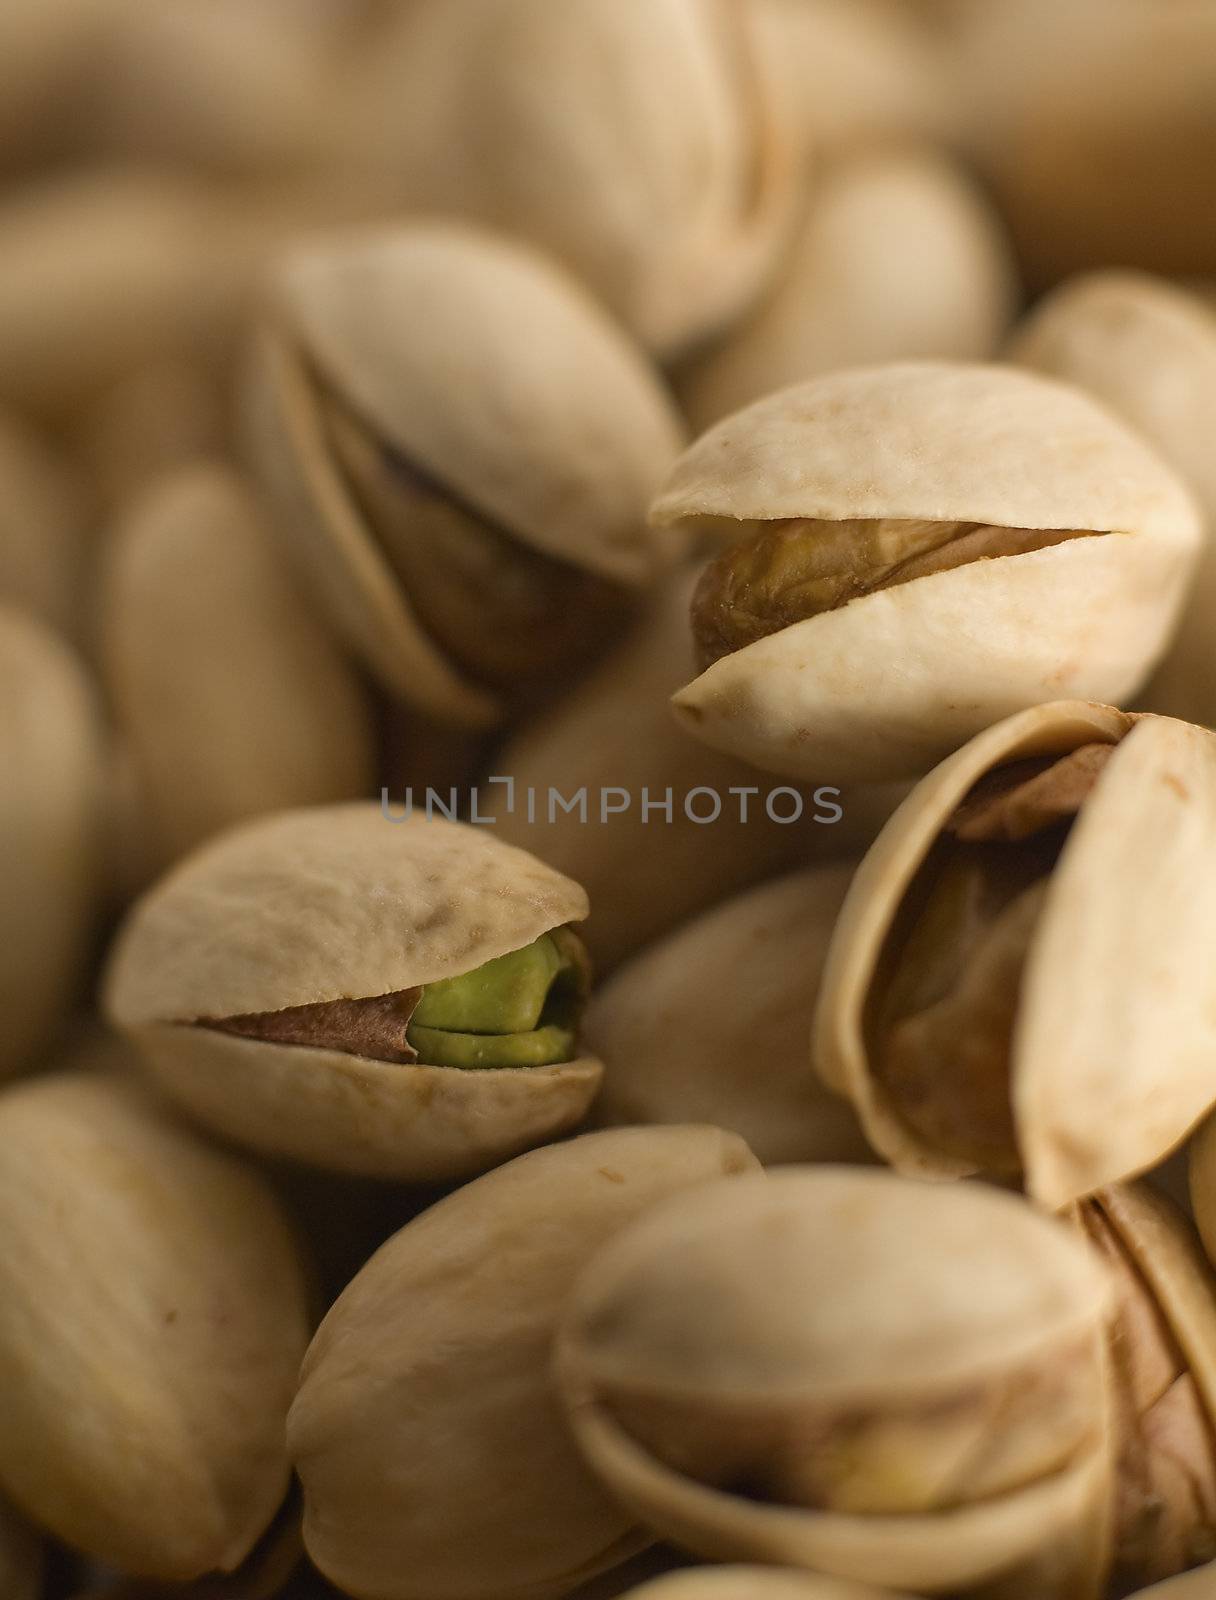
153	1317
756	1583
711	1024
461	446
20	1557
1162	1365
396	999
841	1370
435	1458
230	693
1020	981
914	551
52	755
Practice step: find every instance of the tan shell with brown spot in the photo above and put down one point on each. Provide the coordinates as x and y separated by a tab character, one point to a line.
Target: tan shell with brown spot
334	903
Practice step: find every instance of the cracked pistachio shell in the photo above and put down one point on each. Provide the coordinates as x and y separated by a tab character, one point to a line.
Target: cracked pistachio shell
435	1459
332	903
488	370
20	1557
883	686
900	256
1147	349
842	1293
712	1024
650	145
51	756
756	1583
230	694
154	1315
1115	1023
42	517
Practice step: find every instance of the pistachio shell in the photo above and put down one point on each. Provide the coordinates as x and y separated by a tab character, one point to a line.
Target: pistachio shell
1147	349
230	694
51	755
647	144
755	1583
712	1024
1099	1090
838	1288
900	256
334	903
20	1557
42	516
938	442
425	1408
150	1336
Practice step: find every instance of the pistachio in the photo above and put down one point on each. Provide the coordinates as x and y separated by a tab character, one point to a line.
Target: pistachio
1147	349
20	1557
854	291
886	515
801	1368
196	608
149	1338
652	146
755	1583
51	755
273	985
466	482
712	1023
994	995
426	1402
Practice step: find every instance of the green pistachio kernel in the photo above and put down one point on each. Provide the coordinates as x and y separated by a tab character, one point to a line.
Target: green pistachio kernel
519	1010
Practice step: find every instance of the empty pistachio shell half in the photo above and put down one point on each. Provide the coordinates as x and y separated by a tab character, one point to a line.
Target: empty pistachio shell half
1020	980
153	1318
230	693
361	994
841	1370
51	755
756	1583
426	1401
712	1024
462	447
20	1557
1163	1375
650	145
918	550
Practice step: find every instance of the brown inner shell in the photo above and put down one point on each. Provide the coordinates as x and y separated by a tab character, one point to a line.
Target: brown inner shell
787	571
942	1024
505	614
1166	1499
374	1027
921	1456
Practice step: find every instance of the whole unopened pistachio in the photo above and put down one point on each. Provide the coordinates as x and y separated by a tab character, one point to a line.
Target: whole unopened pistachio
899	256
42	517
398	999
20	1557
1021	977
918	550
712	1024
435	1459
842	1370
461	446
51	758
648	144
153	1319
1147	349
229	691
756	1583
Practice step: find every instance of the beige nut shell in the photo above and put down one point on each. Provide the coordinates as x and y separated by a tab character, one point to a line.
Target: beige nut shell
846	1287
336	902
889	683
426	1401
1114	1034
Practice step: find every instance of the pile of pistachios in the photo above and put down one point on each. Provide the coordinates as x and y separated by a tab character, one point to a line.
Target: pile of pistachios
607	799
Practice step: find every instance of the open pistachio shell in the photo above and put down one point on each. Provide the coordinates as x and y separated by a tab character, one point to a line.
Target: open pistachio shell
20	1557
230	694
153	1319
500	442
1147	349
821	1368
905	580
337	908
755	1583
1089	1060
900	256
426	1401
648	144
712	1024
42	518
51	756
